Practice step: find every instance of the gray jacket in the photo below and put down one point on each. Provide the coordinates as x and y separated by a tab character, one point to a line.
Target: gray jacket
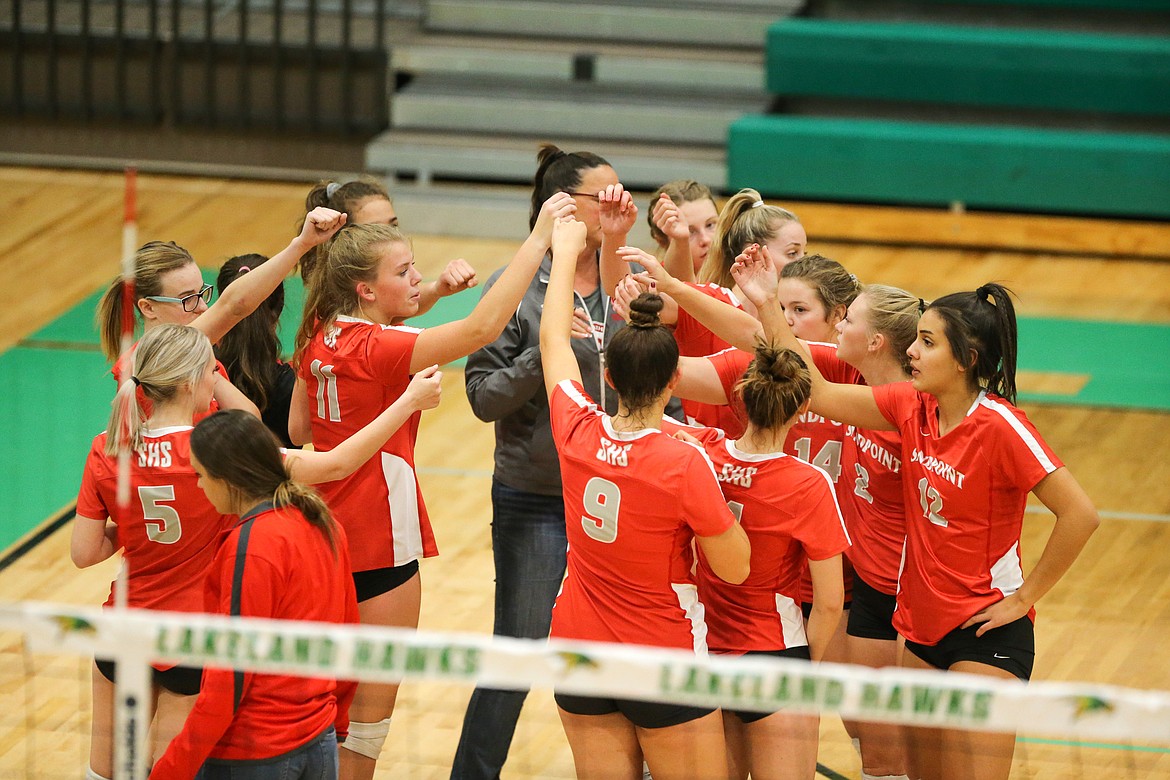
505	385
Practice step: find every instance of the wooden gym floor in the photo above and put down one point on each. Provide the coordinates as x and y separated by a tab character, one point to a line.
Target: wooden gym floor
1108	621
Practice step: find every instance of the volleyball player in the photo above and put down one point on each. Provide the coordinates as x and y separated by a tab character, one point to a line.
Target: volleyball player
682	218
285	558
366	202
790	513
169	288
353	361
169	532
640	495
969	460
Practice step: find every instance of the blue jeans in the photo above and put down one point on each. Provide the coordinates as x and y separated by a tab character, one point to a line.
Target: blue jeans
315	760
529	545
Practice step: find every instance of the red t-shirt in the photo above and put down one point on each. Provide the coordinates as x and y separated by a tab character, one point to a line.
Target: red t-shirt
813	438
290	573
695	340
352	373
633	503
964	496
789	511
169	532
870	492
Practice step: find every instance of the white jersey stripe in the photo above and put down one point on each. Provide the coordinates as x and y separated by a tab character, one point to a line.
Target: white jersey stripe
576	396
403	500
1007	575
791	622
1024	434
688	599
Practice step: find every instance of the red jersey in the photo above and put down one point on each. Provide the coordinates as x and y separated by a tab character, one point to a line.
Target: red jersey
353	372
870	492
813	438
169	532
789	511
144	403
964	496
289	573
696	340
633	503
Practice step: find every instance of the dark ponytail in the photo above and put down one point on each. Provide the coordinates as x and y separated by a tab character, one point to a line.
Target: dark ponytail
250	350
558	171
982	333
775	387
643	357
237	448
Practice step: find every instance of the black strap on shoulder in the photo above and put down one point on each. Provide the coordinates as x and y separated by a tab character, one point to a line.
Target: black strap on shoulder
245	527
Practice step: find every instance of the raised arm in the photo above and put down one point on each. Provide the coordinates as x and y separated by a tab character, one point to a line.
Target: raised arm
735	326
241	297
556	352
757	278
617	214
456	277
228	396
453	340
312	467
1076	520
669	219
699	381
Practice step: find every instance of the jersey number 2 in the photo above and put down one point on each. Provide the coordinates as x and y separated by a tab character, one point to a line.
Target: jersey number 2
168	529
328	407
602	499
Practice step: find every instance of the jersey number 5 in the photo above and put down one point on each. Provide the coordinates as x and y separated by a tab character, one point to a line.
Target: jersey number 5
602	499
328	407
168	529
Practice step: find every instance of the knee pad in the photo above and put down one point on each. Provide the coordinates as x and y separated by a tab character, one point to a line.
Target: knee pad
92	775
366	739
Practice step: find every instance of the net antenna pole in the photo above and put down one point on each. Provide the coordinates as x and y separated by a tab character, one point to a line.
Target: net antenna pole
132	690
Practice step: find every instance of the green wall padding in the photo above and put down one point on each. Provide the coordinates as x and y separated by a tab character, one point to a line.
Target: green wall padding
912	163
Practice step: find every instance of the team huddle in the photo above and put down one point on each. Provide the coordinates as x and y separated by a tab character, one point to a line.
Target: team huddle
844	479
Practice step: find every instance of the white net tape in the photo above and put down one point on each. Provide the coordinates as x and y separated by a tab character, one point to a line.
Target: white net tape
1040	709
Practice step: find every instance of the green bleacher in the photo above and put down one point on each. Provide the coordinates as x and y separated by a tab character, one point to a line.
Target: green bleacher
972	66
1048	95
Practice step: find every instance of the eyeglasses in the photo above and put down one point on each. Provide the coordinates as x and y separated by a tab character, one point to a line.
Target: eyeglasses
583	195
190	302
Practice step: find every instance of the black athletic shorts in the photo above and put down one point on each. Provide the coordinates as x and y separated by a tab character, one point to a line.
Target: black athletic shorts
375	582
1011	648
183	680
751	716
872	615
644	714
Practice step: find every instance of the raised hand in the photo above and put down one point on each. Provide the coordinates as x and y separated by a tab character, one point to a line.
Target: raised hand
617	212
632	254
558	206
627	290
669	219
456	277
755	274
425	389
320	225
568	237
581	326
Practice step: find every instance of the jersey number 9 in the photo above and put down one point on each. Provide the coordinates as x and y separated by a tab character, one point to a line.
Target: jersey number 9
602	499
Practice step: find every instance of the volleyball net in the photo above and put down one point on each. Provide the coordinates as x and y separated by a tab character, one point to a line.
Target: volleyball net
1085	727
